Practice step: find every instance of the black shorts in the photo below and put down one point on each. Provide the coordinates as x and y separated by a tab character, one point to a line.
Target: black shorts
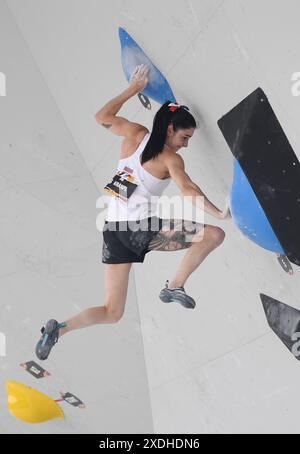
128	241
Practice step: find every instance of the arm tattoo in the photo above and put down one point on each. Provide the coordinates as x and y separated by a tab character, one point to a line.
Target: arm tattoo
107	126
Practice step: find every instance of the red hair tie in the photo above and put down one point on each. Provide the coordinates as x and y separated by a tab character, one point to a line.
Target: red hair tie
173	107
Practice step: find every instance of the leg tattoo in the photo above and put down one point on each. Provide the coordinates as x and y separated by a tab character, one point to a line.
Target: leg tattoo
175	236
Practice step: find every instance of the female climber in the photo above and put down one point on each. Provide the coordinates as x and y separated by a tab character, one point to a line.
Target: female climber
148	162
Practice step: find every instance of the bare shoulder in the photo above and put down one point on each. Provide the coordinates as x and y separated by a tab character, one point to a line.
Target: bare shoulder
173	159
140	135
130	145
176	168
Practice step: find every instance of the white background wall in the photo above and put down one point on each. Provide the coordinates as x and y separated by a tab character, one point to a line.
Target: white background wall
218	368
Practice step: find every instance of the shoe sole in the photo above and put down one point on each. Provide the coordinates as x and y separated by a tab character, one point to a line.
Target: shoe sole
41	351
184	303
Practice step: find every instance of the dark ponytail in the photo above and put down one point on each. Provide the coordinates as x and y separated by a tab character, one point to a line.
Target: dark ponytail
181	119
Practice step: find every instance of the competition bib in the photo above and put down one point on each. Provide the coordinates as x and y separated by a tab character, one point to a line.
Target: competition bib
123	185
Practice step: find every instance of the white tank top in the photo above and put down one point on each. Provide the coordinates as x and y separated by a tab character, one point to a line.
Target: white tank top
139	205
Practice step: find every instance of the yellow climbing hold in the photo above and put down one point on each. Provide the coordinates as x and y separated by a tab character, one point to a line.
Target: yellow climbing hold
30	405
